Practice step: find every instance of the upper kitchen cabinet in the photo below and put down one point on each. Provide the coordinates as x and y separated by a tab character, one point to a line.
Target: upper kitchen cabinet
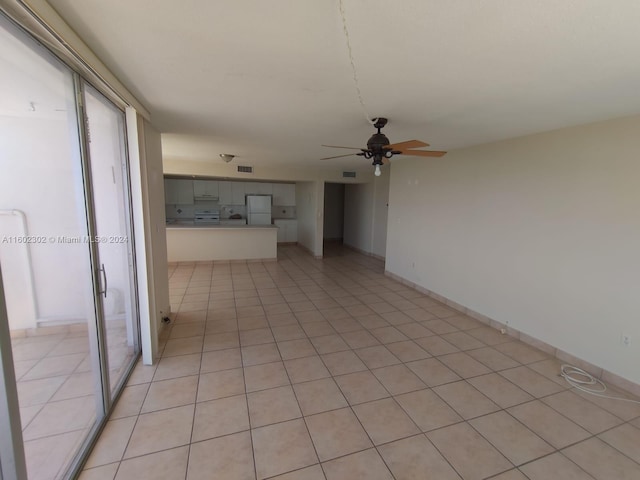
238	192
225	196
178	191
250	188
264	188
205	189
257	188
284	194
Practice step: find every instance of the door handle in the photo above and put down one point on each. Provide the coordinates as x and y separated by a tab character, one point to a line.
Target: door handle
104	280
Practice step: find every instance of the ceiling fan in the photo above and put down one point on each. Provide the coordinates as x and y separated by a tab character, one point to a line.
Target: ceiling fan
379	148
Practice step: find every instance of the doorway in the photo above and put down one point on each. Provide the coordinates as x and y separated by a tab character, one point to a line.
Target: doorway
333	223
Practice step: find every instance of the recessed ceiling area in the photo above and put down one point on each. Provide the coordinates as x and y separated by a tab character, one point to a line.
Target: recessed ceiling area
271	81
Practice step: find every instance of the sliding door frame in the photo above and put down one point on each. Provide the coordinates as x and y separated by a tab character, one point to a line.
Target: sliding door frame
97	334
12	460
80	85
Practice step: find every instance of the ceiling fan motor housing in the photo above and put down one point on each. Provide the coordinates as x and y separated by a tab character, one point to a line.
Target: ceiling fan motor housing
377	142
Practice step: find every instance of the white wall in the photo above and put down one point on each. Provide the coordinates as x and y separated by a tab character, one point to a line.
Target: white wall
365	214
310	201
157	221
149	213
380	212
333	226
541	232
358	216
193	165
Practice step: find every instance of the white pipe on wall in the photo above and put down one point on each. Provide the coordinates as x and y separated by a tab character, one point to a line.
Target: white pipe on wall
27	257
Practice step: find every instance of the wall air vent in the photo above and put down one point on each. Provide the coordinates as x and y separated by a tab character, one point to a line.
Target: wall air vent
244	169
348	174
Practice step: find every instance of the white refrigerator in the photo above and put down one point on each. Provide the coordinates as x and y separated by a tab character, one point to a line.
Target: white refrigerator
259	209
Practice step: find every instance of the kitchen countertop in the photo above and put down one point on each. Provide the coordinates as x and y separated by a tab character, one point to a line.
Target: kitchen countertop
215	227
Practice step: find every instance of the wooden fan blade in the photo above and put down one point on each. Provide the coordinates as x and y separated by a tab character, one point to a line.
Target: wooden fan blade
339	156
408	144
423	153
335	146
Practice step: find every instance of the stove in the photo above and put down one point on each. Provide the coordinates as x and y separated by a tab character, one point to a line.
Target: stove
210	217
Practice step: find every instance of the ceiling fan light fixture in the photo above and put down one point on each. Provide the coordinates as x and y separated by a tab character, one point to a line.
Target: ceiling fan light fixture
227	157
377	162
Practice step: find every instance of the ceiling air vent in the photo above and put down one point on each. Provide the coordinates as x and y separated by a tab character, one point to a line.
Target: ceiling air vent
244	169
348	174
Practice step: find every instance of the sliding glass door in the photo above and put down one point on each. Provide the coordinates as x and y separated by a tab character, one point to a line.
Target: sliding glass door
66	252
111	207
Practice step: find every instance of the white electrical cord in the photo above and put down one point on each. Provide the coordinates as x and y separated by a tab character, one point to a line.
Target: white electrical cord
578	378
353	65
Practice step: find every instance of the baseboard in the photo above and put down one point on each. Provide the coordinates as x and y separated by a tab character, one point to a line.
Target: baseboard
364	252
565	357
228	262
308	250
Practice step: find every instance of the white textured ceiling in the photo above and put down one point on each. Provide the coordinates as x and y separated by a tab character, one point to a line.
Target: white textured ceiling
270	81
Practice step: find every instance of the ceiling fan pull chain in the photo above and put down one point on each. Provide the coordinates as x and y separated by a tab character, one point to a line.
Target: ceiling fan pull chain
353	65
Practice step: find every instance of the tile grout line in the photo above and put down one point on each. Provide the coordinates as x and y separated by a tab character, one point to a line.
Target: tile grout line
309	339
246	399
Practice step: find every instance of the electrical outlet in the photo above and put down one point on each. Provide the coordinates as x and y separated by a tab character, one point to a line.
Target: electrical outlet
625	339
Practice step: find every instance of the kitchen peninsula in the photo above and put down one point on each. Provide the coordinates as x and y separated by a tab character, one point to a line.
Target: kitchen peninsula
214	220
191	243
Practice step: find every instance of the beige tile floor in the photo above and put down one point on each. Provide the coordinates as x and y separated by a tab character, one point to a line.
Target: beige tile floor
309	370
56	391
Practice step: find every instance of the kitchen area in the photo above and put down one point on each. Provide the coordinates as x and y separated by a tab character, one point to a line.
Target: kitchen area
218	219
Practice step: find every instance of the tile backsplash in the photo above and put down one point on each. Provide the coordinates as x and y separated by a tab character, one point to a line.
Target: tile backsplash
188	211
283	211
227	210
180	211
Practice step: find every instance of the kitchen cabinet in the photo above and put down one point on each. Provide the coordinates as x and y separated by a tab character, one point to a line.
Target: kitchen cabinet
205	189
250	188
287	230
225	196
284	194
264	188
178	191
238	193
258	188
